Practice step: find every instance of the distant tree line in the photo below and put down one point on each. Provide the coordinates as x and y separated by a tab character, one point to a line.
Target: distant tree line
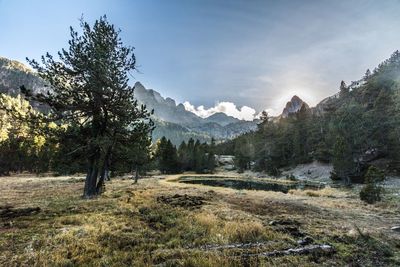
191	156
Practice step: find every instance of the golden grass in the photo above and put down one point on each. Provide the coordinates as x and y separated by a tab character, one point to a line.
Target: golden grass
127	226
325	192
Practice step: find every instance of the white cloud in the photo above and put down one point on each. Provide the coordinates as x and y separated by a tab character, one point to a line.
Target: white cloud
229	108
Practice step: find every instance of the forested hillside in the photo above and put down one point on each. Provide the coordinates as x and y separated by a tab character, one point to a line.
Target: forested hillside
358	127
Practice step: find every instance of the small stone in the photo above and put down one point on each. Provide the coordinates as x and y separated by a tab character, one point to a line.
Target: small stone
395	228
305	241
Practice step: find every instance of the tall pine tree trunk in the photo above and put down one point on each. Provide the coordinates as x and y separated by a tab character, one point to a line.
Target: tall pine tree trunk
104	172
91	177
136	174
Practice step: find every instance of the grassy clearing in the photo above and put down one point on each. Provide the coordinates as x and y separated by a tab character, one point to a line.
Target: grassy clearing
140	225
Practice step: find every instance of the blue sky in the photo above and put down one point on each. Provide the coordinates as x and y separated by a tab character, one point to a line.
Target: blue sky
253	53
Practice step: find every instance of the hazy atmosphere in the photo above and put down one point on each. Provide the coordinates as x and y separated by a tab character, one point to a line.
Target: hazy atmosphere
206	52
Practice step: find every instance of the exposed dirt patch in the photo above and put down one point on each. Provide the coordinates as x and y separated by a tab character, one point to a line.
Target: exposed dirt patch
9	213
291	227
185	201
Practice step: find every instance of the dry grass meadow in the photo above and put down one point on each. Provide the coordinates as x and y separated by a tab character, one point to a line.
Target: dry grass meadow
159	222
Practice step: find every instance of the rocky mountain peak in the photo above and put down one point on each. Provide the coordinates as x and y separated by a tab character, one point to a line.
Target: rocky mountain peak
293	106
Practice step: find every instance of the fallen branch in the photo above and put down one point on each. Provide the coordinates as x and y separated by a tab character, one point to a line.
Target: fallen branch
237	245
320	249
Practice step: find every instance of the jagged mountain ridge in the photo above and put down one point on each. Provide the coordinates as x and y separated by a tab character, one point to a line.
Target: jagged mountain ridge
218	126
164	108
172	120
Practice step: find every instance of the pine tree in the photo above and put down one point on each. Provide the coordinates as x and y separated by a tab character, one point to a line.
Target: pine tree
367	75
343	164
89	88
211	156
167	157
344	89
371	192
183	155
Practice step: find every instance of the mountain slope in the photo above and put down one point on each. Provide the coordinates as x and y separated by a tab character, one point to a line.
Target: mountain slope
177	119
13	74
164	108
172	120
221	119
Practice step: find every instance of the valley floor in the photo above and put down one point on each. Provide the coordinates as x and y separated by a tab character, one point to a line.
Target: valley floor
45	222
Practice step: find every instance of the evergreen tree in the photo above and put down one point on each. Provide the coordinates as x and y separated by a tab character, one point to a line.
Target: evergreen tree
133	155
244	152
88	88
344	89
211	156
343	164
167	157
301	136
184	156
371	192
367	75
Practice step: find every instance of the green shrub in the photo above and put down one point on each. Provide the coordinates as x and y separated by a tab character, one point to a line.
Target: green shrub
374	175
371	192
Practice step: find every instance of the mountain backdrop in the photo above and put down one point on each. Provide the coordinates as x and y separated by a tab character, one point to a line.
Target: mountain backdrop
172	120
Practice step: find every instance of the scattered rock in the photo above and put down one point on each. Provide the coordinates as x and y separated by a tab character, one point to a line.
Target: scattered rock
236	245
305	241
184	201
314	249
395	228
283	222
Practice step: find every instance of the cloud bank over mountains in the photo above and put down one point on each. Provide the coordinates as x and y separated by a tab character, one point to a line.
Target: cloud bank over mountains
229	108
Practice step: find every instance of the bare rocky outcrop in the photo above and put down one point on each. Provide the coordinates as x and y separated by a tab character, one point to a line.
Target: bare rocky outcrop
293	106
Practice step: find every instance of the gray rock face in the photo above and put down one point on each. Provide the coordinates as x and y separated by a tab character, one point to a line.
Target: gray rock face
293	106
164	109
14	74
